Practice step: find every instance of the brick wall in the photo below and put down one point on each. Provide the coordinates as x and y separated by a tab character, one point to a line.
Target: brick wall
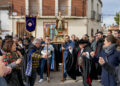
18	6
78	8
48	7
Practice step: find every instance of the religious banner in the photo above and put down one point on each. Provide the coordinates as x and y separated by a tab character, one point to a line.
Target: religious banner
30	24
51	31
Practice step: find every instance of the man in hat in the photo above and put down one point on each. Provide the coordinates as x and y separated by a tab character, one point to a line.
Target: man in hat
84	61
79	62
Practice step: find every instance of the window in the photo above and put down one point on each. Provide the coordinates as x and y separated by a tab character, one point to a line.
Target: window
63	7
33	7
93	13
21	30
92	32
97	8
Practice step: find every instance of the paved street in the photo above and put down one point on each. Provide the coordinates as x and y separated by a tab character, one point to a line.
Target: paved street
56	81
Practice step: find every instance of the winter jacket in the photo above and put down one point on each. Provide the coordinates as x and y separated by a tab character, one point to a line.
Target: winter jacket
114	71
113	58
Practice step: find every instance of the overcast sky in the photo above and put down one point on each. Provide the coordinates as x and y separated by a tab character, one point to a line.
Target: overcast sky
109	9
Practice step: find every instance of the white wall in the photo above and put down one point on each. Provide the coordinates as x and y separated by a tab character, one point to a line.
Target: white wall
6	23
93	23
89	3
27	7
89	8
56	7
100	8
75	26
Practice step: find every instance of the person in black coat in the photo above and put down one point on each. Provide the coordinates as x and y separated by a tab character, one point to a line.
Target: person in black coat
80	60
96	68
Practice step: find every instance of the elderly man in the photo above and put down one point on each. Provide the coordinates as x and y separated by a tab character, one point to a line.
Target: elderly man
33	61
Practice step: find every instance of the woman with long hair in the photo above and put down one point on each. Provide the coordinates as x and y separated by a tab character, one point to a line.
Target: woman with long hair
12	58
111	55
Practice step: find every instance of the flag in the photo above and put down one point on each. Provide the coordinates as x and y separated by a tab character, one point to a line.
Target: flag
30	23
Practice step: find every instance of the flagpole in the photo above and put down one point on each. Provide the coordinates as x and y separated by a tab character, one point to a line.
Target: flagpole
35	26
48	65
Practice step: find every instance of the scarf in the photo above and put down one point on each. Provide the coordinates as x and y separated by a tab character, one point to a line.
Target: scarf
29	64
109	48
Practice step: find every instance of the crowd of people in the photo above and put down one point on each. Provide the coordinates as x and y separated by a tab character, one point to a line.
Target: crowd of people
95	57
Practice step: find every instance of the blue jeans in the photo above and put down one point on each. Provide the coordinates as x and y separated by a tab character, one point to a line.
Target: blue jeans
3	82
65	72
42	65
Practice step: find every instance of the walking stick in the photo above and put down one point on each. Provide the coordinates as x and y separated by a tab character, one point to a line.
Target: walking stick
48	64
62	65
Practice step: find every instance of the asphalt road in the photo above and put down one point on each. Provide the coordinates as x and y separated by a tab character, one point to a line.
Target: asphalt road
55	80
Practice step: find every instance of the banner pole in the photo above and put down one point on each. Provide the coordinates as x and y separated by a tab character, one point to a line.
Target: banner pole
48	64
35	27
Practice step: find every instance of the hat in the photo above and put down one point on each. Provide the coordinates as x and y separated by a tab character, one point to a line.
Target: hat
86	35
83	41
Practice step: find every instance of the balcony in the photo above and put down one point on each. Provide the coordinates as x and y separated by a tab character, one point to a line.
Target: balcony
93	14
98	17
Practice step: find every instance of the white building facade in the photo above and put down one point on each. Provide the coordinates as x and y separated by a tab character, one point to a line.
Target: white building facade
87	21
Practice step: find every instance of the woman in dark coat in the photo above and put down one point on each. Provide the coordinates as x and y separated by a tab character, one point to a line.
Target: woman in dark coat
12	59
112	57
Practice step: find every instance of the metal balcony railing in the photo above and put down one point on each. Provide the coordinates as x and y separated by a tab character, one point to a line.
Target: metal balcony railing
99	17
93	14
